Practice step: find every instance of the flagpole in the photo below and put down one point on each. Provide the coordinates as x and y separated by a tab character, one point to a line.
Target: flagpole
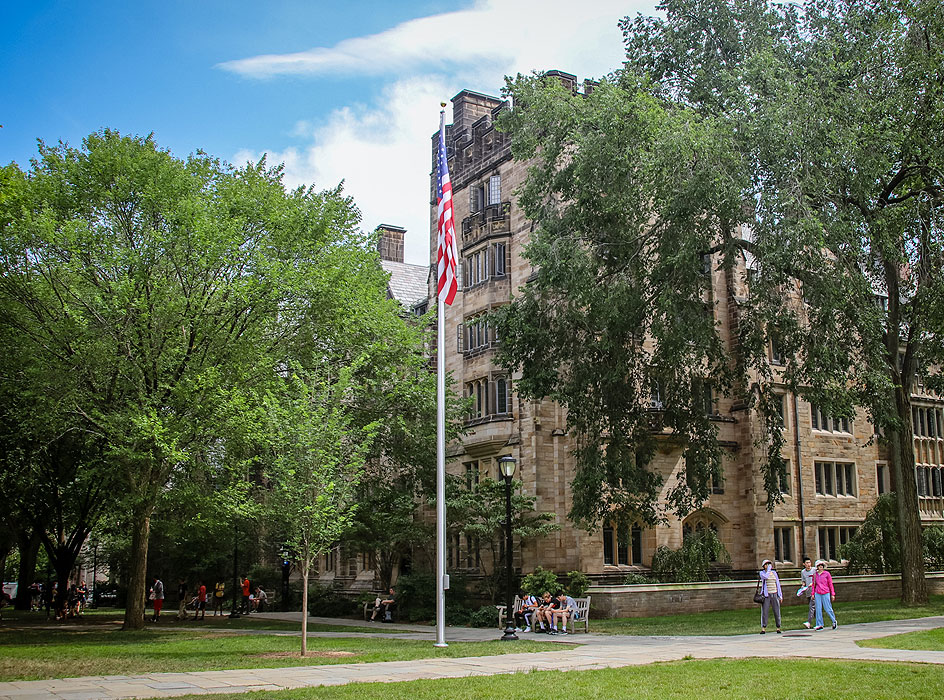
442	582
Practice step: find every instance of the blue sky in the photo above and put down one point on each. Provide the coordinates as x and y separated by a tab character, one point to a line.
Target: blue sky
335	90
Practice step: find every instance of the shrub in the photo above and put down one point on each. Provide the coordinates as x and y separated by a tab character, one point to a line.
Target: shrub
324	601
579	583
486	616
934	547
691	561
875	545
539	581
416	596
633	579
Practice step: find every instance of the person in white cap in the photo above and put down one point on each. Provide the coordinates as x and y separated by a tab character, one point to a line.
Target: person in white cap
825	593
773	595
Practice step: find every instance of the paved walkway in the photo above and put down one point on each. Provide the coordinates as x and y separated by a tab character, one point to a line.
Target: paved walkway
596	651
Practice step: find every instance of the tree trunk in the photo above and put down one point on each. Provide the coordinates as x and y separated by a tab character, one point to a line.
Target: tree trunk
914	587
137	571
28	544
305	569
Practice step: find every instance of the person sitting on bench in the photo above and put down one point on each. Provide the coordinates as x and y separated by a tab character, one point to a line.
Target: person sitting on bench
523	616
384	606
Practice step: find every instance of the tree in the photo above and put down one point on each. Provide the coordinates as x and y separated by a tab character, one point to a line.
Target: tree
478	514
162	293
848	157
805	139
319	455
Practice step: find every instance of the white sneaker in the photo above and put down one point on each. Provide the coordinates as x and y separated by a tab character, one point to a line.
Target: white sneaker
806	624
517	629
527	629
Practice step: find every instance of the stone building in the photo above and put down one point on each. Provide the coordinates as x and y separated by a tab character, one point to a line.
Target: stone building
836	470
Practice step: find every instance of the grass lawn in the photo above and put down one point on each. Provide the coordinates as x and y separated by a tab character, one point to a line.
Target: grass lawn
727	622
930	640
721	679
111	617
32	654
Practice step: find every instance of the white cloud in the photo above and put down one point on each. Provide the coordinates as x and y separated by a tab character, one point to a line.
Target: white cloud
382	150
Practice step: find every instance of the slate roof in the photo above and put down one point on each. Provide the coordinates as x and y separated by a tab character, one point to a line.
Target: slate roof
408	283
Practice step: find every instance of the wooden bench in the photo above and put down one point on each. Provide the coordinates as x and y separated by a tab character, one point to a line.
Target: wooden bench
369	610
583	613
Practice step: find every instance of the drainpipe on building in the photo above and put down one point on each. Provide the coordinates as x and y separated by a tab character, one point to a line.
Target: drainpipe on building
799	470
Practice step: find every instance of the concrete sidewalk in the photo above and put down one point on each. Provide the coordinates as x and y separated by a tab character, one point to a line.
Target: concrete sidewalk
596	651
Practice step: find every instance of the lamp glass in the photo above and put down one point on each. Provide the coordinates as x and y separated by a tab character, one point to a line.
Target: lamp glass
507	465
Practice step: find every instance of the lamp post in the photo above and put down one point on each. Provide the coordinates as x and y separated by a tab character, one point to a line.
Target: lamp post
286	570
236	587
507	465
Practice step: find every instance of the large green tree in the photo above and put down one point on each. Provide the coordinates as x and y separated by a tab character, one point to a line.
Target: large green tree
804	140
163	293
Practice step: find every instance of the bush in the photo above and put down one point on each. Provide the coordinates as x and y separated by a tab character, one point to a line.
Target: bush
539	581
875	545
324	601
579	583
486	616
934	548
633	579
691	561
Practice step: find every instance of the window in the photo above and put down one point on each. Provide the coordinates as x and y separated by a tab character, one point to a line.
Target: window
926	421
835	479
717	483
704	398
622	546
657	397
883	485
830	539
784	478
783	544
780	408
827	423
494	189
477	333
331	559
490	397
499	261
502	400
776	354
472	474
476	198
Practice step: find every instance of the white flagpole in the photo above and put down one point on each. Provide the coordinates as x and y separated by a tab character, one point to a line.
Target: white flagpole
441	581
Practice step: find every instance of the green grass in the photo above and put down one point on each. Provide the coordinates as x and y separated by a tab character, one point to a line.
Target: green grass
928	640
721	679
32	654
729	622
111	617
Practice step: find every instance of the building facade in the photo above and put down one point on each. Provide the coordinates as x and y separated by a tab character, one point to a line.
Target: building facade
836	471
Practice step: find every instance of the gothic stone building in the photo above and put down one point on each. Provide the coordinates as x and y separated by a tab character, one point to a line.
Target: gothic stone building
836	470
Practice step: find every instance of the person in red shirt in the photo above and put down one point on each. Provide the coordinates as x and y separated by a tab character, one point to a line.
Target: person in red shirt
201	602
247	591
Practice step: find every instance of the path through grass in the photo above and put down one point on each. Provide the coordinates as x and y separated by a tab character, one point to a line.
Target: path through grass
719	679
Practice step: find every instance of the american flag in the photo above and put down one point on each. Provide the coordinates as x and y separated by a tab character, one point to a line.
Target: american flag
446	254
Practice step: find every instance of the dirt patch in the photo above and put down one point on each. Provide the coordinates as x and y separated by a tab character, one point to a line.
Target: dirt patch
310	655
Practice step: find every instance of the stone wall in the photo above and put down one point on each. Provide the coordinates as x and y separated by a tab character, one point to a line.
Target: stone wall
650	600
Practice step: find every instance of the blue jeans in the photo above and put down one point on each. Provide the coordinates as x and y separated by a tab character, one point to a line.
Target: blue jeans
823	602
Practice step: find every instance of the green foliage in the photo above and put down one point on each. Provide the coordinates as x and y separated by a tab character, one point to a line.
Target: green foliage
416	596
934	547
486	616
577	584
690	562
325	601
634	579
540	581
479	513
875	546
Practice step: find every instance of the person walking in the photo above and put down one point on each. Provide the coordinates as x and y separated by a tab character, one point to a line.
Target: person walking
157	597
806	575
219	592
182	600
773	595
247	593
201	602
825	594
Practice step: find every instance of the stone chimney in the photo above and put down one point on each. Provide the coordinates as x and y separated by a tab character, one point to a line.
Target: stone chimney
390	243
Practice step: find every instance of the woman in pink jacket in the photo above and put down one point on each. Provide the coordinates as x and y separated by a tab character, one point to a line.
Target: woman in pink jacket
824	593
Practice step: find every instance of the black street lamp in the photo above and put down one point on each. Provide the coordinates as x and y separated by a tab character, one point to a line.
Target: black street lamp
507	465
235	611
286	570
